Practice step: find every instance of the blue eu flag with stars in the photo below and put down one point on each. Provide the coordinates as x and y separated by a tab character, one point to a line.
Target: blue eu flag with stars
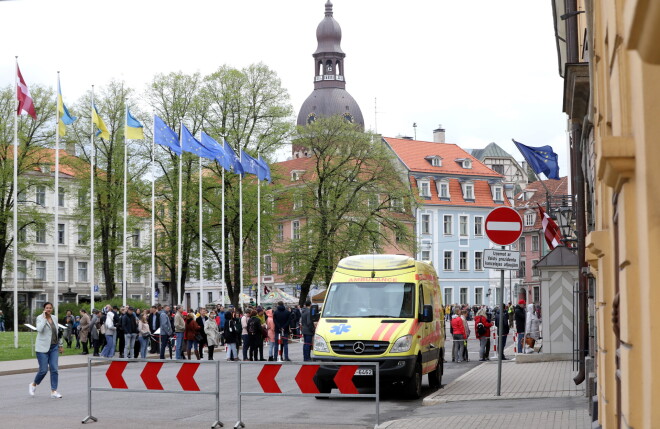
542	159
217	150
165	136
192	145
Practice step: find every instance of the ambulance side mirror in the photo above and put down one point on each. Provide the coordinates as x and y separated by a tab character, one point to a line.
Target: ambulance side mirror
316	314
427	314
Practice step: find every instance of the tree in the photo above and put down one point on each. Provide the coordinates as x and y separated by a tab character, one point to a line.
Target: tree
34	137
348	201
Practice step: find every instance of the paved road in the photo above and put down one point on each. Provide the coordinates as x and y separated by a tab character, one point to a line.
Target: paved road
192	411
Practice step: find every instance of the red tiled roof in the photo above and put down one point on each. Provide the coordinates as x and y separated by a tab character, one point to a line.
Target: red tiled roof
282	170
482	195
413	152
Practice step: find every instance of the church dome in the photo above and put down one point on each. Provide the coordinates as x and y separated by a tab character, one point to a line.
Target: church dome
328	33
328	102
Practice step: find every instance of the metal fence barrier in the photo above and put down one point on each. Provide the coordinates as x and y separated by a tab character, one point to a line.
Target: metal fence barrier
149	377
305	381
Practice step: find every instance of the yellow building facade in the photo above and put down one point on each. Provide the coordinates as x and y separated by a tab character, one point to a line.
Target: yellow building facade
615	83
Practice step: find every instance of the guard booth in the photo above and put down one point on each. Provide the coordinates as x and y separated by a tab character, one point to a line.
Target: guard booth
559	285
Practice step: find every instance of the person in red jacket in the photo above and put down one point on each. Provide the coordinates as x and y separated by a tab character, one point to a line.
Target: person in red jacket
484	336
459	336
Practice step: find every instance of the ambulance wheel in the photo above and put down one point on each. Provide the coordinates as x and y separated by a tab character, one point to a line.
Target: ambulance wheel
413	387
324	386
435	377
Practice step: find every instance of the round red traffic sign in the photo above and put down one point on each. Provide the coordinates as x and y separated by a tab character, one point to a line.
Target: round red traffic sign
503	226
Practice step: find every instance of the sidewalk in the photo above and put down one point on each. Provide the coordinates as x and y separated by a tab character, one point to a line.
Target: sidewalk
538	382
23	366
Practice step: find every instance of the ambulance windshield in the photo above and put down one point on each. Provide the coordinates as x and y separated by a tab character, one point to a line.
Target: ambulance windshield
370	300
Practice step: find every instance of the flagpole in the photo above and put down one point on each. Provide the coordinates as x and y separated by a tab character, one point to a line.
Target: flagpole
201	254
240	226
91	206
178	243
222	259
15	198
153	215
258	238
57	195
124	273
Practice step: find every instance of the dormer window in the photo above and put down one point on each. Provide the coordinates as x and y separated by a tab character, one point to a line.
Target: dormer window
467	163
498	193
443	188
296	175
436	162
424	188
530	218
468	191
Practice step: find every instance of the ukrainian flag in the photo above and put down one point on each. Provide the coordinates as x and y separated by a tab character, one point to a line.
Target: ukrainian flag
63	112
102	129
134	129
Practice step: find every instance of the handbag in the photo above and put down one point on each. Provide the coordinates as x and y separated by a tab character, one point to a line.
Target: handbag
198	337
530	342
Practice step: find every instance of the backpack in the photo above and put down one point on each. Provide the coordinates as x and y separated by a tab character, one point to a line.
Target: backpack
481	329
252	326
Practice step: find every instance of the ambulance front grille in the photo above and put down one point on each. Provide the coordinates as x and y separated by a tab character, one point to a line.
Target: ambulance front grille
370	347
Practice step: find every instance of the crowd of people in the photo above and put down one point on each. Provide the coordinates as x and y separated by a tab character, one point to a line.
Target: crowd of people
525	317
132	333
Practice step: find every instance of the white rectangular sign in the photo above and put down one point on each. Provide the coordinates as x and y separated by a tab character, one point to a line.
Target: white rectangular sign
501	259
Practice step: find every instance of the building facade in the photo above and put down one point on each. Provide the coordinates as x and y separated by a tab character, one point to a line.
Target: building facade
455	193
516	175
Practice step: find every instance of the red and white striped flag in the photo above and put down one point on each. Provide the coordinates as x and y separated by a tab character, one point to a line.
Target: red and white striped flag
550	230
25	104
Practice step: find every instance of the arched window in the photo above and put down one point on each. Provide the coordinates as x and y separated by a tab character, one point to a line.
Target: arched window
328	67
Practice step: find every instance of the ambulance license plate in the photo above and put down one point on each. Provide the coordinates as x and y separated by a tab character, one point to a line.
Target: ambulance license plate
367	371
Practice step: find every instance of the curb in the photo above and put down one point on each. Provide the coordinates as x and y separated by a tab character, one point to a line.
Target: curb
32	370
429	400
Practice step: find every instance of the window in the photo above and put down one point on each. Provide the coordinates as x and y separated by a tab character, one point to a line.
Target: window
478	296
397	204
60	197
61	274
426	255
447	260
522	271
280	232
137	273
498	169
436	162
521	244
479	261
424	188
22	234
463	226
41	300
60	233
280	265
82	197
467	163
535	243
82	271
296	175
268	265
463	261
40	236
82	234
444	190
21	269
398	236
497	195
295	230
468	191
426	224
529	219
464	295
535	271
449	295
447	227
478	226
372	201
40	273
120	273
136	237
210	297
41	195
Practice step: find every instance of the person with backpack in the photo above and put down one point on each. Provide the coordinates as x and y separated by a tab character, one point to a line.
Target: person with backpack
502	331
110	333
308	330
282	318
458	334
254	335
231	333
482	328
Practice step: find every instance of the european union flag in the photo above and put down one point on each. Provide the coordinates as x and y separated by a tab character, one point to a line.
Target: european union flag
542	159
266	168
235	162
165	136
251	165
217	150
192	145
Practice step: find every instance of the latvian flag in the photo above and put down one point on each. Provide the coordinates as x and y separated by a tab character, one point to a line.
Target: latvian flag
550	230
25	104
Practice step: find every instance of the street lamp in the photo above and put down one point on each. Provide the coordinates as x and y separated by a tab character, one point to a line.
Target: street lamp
565	220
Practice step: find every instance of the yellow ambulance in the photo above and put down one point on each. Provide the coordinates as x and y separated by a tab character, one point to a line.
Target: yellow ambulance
386	309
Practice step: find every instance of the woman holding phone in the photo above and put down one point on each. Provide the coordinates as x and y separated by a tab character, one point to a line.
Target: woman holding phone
48	346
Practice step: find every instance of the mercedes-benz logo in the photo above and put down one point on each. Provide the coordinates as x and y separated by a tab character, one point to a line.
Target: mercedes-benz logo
358	347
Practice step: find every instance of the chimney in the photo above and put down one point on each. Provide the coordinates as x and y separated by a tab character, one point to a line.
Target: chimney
439	135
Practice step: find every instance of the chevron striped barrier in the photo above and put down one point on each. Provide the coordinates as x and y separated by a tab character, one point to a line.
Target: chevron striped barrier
305	380
149	378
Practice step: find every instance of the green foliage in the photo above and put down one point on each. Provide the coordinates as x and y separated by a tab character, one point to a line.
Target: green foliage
25	344
75	308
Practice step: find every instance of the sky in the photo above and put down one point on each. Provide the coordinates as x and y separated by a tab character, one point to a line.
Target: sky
484	70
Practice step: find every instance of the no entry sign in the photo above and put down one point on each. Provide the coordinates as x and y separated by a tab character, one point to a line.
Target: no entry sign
503	226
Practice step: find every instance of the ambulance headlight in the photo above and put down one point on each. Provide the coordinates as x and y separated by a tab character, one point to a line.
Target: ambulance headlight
402	344
320	345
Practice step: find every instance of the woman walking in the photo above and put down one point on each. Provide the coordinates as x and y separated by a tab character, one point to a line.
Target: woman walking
48	347
212	333
189	334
